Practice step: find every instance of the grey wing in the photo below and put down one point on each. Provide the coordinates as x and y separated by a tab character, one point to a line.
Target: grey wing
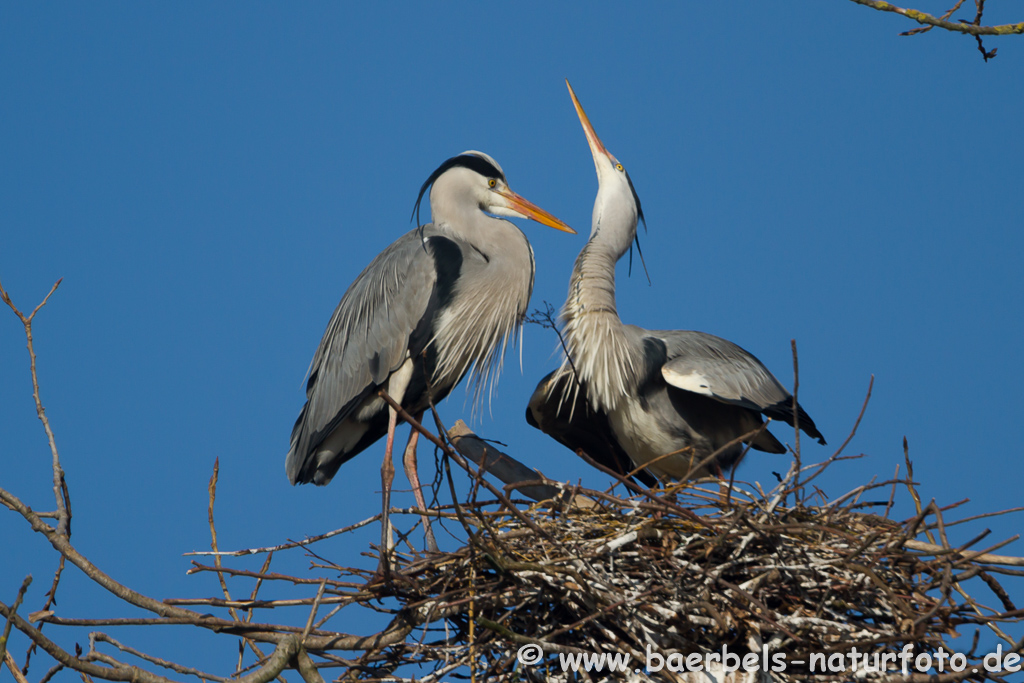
368	337
712	366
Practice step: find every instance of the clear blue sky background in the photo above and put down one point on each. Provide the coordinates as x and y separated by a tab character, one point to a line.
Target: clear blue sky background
209	179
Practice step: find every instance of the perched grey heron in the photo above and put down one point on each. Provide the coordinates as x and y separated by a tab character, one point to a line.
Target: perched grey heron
443	299
666	399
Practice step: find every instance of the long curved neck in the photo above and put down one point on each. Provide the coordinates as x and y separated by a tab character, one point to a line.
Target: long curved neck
600	348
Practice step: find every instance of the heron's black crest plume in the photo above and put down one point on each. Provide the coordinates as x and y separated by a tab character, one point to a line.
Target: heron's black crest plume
636	237
470	161
636	198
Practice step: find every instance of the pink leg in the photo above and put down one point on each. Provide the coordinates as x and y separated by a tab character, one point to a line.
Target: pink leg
387	475
411	471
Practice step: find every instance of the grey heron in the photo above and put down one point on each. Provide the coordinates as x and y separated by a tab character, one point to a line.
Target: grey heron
666	399
442	300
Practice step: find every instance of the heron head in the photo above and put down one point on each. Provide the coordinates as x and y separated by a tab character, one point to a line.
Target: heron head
616	194
475	179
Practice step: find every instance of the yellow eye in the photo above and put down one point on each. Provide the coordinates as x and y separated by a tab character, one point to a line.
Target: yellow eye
491	182
618	167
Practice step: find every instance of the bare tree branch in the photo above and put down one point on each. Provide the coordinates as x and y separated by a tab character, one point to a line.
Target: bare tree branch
14	608
930	20
59	487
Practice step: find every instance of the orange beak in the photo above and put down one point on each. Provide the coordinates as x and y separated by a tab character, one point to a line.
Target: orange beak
534	212
592	139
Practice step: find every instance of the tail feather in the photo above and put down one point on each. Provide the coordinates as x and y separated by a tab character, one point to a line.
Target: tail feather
783	410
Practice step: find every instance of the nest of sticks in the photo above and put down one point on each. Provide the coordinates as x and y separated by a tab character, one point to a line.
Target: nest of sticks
666	578
702	568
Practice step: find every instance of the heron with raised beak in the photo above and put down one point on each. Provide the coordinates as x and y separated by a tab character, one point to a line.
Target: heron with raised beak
677	403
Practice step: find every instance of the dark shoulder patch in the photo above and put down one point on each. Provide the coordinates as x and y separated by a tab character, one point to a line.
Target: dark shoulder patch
447	266
655	354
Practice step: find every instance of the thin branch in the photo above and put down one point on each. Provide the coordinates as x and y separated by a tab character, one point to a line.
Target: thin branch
98	636
14	608
929	20
63	546
289	544
796	414
59	487
12	666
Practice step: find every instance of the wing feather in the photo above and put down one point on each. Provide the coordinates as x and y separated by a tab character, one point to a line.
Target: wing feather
715	367
712	366
368	337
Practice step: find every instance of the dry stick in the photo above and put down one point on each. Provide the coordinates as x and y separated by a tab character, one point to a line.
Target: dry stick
984	558
58	538
259	583
1000	592
115	621
864	406
859	491
257	604
12	666
261	576
60	489
735	466
7	626
504	467
499	544
977	539
63	546
985	54
796	418
497	493
286	649
172	614
521	639
51	595
291	544
974	554
471	534
212	491
307	669
266	633
315	608
177	668
947	576
934	509
892	493
917	503
929	20
636	488
607	609
925	29
63	518
981	516
461	462
54	670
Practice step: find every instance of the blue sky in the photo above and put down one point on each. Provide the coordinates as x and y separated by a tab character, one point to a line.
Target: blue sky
209	179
